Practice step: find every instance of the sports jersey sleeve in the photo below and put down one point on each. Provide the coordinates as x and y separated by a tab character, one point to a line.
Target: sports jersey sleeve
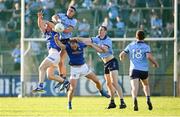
148	49
73	23
126	50
108	43
94	40
68	47
60	15
84	45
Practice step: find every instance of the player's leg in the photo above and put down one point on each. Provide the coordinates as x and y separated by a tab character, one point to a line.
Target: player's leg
111	91
52	76
134	91
146	89
73	83
61	65
94	78
42	72
114	81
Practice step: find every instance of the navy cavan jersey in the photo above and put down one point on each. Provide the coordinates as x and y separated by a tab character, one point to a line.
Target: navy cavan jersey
50	40
76	57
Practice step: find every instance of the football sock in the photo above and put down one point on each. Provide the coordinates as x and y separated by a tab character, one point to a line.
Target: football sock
148	98
112	101
40	85
122	101
69	104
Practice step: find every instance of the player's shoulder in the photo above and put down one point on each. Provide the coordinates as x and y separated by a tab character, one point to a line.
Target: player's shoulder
132	43
61	14
74	20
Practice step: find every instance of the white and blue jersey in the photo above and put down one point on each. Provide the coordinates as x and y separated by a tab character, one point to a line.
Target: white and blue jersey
66	21
136	51
50	40
76	57
101	42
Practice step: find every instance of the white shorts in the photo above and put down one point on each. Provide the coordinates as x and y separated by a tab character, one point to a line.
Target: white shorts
53	56
79	71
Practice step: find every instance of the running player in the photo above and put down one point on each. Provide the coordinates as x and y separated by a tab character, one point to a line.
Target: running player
69	22
139	53
103	45
52	60
79	68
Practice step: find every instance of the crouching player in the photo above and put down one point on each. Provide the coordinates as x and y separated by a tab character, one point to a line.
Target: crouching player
79	68
51	61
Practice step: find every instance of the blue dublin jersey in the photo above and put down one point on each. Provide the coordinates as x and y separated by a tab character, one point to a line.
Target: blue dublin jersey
106	41
50	40
66	21
137	51
76	57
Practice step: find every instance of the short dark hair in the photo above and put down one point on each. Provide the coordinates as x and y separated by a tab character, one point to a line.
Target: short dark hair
73	41
140	34
73	7
105	28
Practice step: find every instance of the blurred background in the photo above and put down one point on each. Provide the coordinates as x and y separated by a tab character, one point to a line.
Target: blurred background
122	17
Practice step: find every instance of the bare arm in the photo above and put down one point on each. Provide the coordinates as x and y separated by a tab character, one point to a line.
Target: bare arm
122	55
96	47
152	60
81	39
55	19
104	48
41	23
56	39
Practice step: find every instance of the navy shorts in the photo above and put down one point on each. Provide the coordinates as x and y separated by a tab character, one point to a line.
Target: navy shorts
138	74
111	65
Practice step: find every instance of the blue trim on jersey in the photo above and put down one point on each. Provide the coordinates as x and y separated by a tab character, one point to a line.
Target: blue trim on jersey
50	40
76	57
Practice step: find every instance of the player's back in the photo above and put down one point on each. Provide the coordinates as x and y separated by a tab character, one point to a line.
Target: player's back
137	54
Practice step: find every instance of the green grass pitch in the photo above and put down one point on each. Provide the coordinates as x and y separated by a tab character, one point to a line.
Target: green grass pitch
85	107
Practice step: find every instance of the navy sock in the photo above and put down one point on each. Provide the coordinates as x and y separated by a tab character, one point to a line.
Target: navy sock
112	101
69	103
122	101
101	91
148	98
40	85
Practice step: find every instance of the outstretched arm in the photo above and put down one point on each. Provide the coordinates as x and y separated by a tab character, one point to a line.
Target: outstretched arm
152	60
81	39
56	39
100	49
122	55
41	23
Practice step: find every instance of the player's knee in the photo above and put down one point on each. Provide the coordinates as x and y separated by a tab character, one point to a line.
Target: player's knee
72	89
108	84
41	67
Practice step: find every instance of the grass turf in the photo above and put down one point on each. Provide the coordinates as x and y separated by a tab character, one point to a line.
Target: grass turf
86	107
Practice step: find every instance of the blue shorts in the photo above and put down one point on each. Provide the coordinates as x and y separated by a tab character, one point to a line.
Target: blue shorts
134	74
111	65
